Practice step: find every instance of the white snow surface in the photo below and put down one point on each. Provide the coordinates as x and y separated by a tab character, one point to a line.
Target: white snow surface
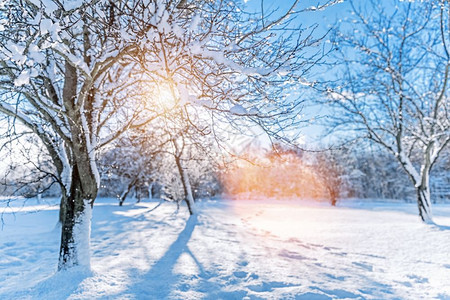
238	110
232	249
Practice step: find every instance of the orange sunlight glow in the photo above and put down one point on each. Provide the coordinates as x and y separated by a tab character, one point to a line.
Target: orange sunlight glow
281	176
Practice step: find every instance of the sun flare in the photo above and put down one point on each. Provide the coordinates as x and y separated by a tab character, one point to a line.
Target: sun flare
165	96
283	176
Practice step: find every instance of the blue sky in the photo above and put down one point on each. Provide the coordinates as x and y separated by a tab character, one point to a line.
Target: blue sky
324	19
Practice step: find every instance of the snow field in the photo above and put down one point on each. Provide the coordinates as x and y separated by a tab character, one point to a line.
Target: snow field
232	250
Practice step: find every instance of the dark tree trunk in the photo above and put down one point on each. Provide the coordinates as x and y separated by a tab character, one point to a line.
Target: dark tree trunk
138	195
125	193
333	195
424	204
62	207
333	200
75	233
186	186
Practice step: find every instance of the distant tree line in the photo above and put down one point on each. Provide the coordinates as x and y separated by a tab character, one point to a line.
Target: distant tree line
349	172
136	172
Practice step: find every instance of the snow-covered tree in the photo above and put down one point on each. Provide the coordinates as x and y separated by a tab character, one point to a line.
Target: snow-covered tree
329	170
80	73
392	83
25	170
190	143
147	156
369	171
131	162
64	68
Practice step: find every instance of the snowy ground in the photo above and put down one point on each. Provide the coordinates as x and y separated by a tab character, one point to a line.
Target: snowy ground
233	250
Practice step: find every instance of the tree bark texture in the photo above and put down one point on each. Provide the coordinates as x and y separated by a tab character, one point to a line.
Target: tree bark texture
188	198
424	204
75	234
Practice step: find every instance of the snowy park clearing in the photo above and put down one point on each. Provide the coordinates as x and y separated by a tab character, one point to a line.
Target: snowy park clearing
241	249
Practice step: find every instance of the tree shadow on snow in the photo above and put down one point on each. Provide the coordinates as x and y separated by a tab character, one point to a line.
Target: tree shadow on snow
440	227
157	283
163	280
167	280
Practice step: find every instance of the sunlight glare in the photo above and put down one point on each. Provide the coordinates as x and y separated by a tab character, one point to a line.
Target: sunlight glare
277	176
165	96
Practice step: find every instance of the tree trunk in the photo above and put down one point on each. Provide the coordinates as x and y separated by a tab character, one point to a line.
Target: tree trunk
424	204
76	226
127	191
138	196
62	208
333	195
150	191
186	187
189	197
422	185
333	199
